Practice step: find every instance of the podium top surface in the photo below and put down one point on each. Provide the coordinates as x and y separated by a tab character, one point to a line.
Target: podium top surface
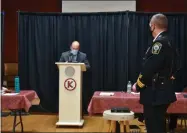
83	66
68	63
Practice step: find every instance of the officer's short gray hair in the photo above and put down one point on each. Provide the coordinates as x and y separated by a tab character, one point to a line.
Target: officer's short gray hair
160	20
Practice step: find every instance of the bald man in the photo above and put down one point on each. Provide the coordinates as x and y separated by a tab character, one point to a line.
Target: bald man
74	55
154	82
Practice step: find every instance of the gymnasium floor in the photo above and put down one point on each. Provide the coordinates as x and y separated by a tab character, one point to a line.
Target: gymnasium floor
46	123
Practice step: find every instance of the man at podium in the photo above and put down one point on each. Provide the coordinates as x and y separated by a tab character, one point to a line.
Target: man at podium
74	55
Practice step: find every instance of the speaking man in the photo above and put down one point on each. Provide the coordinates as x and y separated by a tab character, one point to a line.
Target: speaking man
154	82
74	55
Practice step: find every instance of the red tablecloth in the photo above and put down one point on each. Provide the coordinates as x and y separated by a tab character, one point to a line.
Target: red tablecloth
23	100
99	104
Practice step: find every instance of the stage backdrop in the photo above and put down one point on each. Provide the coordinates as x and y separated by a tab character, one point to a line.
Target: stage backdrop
114	43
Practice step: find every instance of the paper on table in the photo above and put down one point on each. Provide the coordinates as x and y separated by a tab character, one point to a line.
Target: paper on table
10	94
106	94
139	93
135	92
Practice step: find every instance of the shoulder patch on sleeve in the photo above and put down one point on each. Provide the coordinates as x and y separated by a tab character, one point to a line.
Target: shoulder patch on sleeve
156	48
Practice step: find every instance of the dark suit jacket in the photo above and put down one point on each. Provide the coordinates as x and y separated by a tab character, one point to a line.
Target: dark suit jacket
81	57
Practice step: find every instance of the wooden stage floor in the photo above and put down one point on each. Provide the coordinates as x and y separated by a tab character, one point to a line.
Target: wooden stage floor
46	123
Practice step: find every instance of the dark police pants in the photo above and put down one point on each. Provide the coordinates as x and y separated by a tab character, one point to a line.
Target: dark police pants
155	118
173	121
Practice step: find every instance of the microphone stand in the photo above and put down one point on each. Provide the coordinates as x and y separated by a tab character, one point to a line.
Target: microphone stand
70	57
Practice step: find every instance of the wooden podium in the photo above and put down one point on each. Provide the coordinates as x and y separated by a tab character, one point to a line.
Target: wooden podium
70	94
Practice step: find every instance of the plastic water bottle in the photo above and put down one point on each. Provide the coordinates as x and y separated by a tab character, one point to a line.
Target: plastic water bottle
129	86
17	85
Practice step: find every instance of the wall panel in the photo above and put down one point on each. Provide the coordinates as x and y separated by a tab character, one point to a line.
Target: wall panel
10	7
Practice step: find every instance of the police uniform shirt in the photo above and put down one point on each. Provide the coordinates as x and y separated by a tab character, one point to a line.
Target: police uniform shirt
154	81
155	60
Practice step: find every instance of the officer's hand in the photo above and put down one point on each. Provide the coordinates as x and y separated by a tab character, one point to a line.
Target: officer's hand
134	88
172	77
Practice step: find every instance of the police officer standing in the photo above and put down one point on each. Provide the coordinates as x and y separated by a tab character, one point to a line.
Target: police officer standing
154	82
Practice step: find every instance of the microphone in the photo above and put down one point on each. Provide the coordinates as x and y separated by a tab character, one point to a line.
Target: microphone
70	57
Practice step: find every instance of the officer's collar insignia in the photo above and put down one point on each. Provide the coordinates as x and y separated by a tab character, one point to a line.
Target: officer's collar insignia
147	50
156	48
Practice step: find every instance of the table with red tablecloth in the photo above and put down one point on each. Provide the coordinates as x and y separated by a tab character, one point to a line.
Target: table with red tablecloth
99	104
24	100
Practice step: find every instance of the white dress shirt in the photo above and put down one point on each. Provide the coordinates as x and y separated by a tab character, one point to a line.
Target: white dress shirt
157	36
